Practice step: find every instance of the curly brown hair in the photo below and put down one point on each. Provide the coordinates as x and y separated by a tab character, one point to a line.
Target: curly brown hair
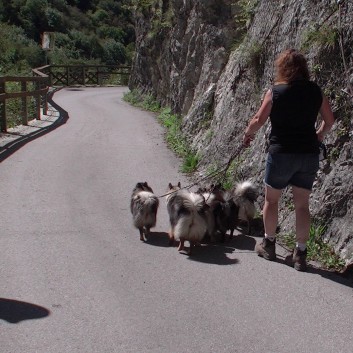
291	65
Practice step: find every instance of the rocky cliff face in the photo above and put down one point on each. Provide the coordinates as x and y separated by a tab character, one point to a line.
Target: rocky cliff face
212	60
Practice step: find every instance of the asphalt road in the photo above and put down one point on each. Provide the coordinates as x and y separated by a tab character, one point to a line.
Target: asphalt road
75	278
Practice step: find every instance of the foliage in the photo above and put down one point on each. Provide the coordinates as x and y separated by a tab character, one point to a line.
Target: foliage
92	31
318	250
113	52
177	142
161	14
18	52
174	136
225	175
142	4
14	106
324	36
244	11
133	97
146	101
190	162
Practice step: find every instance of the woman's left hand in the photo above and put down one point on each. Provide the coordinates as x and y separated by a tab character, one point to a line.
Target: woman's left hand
247	139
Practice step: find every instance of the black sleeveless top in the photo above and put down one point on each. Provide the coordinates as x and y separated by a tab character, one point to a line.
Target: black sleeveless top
295	107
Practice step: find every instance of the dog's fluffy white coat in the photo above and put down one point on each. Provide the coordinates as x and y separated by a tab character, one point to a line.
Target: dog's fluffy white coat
190	225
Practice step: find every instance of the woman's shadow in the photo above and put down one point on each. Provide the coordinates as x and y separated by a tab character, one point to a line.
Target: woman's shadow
15	311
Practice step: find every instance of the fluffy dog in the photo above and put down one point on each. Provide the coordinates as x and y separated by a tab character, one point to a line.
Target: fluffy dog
245	195
186	215
231	207
227	216
213	197
144	206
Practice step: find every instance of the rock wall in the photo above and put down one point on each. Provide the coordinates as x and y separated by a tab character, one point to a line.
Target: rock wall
212	61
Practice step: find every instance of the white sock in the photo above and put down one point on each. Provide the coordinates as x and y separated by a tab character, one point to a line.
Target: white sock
270	237
301	246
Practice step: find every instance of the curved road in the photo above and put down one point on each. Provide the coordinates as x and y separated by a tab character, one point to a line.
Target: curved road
75	277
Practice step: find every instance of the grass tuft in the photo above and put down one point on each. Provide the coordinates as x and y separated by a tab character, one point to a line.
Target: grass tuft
318	250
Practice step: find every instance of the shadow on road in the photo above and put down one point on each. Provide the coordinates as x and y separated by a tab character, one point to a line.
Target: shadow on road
344	279
213	254
243	242
13	146
14	311
158	239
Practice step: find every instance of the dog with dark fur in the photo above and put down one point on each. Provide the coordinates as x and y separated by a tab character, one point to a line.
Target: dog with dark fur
186	215
227	216
237	205
144	206
245	195
213	196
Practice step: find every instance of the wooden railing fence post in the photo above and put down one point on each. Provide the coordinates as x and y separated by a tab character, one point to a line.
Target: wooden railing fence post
38	101
3	122
67	76
50	82
24	104
45	103
84	76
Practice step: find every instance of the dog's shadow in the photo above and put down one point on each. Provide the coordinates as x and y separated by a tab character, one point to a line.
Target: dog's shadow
242	242
160	239
217	252
212	253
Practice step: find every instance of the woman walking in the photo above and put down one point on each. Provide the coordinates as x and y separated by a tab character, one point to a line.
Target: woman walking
293	105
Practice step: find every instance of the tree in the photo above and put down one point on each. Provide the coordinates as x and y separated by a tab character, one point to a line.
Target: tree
114	52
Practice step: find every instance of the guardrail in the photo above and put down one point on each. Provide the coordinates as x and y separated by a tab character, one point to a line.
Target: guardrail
86	75
37	87
23	88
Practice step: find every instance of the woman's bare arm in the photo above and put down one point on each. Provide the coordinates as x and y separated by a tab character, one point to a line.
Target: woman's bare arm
327	119
259	119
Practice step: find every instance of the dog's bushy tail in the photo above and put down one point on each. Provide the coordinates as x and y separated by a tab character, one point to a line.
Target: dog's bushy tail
247	190
245	195
150	200
193	202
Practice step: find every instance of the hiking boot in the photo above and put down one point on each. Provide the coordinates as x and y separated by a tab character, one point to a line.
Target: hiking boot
266	249
299	259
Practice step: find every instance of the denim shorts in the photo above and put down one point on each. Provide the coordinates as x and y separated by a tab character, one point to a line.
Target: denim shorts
297	169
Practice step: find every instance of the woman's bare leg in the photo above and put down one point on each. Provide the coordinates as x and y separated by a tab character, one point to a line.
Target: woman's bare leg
302	213
270	210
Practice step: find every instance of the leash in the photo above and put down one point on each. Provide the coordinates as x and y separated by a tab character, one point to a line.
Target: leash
223	170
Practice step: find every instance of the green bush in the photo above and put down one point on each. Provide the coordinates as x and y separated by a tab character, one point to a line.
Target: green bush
98	31
19	54
113	52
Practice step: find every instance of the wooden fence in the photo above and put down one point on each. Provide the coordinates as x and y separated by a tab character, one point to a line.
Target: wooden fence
35	87
87	75
23	88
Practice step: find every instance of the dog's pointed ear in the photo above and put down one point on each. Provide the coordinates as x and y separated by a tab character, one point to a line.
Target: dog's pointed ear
179	185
